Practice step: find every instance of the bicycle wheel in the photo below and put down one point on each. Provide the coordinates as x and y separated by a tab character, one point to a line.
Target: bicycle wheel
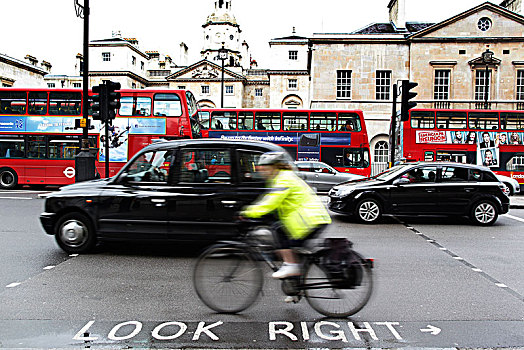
334	302
227	279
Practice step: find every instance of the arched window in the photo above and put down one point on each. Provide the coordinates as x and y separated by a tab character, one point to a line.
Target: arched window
380	157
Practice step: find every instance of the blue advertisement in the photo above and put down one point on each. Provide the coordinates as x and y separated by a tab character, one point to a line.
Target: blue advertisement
16	124
44	124
151	126
284	138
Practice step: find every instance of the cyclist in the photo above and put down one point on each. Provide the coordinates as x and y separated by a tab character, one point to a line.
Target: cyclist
300	212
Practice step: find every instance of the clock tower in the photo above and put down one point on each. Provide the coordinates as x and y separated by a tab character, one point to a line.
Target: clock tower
221	29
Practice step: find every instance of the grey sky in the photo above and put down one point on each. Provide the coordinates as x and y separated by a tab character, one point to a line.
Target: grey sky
49	30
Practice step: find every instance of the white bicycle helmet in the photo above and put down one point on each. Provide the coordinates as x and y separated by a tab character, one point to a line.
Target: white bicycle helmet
271	158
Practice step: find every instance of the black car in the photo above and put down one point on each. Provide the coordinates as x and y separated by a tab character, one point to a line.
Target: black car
440	188
185	190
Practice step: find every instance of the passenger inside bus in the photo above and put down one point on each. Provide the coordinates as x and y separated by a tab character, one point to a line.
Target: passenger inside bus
347	126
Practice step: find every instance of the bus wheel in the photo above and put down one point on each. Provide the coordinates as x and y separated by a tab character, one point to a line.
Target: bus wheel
8	179
75	233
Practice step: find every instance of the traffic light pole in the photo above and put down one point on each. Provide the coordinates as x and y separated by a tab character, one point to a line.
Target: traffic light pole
393	131
85	160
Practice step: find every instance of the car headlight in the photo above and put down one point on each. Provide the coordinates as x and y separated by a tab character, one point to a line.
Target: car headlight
342	191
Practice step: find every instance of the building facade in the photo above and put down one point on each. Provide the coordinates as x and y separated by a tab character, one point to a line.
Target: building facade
17	73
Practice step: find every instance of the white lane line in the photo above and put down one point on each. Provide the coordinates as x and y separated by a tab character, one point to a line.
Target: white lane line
501	285
476	270
49	267
15	198
457	258
514	217
13	285
73	255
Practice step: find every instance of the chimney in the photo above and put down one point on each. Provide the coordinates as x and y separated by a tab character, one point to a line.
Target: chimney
31	59
183	54
79	66
47	66
397	13
116	34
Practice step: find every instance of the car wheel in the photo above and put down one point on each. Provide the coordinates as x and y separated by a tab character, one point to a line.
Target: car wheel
368	211
484	213
509	191
8	179
75	233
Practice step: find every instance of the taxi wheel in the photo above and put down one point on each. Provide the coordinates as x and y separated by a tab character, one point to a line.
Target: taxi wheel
368	211
484	213
75	233
8	179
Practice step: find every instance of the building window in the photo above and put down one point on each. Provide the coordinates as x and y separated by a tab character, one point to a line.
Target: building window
106	56
133	60
520	85
141	65
293	55
441	87
343	84
480	84
383	86
292	84
77	85
181	87
133	85
51	85
484	24
229	89
258	92
205	89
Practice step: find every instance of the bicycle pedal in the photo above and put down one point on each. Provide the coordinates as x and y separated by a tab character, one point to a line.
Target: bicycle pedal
292	299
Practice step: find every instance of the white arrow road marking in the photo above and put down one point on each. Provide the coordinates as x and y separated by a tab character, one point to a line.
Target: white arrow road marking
432	329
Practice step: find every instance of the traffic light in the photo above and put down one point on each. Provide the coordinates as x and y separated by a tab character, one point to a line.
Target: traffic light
405	97
113	98
100	102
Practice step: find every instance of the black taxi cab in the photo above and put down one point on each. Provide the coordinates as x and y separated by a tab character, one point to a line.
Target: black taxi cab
183	190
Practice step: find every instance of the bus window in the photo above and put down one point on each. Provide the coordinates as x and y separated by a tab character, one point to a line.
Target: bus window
191	103
223	120
167	105
203	119
323	121
451	120
452	156
37	103
515	163
356	157
483	120
428	156
135	106
512	121
295	120
267	120
349	122
65	103
12	102
63	147
36	146
12	146
422	119
245	120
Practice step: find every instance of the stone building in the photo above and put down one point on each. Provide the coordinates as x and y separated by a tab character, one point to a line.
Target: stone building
357	70
17	73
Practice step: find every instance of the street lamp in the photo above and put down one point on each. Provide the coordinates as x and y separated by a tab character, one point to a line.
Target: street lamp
222	55
487	58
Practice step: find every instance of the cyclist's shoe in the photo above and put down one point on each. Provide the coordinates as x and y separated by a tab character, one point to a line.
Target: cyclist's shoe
287	270
292	299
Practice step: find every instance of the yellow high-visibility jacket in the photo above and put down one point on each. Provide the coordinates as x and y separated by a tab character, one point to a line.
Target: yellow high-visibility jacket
299	209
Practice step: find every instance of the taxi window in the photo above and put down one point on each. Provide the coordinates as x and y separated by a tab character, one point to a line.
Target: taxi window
152	166
248	166
205	166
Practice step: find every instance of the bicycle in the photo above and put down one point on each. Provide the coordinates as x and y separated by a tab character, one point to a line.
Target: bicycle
228	276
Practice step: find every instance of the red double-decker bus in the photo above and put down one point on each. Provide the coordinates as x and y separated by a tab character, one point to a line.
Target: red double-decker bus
336	137
485	137
38	141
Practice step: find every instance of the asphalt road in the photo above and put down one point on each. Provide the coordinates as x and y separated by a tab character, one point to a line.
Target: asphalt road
440	283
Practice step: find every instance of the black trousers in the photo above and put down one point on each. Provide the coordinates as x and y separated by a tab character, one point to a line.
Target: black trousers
283	241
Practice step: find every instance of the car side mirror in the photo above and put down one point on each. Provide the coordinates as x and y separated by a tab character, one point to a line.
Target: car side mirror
401	181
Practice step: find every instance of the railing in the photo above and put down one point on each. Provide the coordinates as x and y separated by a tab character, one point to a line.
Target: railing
520	106
377	168
482	105
442	105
